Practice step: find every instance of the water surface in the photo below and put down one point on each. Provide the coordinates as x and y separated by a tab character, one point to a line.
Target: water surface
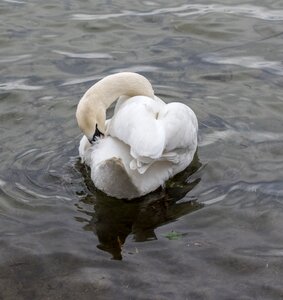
215	231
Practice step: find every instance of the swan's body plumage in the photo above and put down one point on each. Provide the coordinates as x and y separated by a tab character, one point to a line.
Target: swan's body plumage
146	142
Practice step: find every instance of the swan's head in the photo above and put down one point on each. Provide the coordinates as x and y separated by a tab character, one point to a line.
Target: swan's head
91	120
91	110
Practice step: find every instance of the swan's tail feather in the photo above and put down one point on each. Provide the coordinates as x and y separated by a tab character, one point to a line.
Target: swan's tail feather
142	164
172	157
111	177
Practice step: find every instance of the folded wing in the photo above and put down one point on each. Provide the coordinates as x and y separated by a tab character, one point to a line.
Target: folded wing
155	131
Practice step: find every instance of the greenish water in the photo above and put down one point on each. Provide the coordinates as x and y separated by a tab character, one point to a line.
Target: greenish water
215	232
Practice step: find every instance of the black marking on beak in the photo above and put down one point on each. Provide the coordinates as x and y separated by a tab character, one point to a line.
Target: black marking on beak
97	134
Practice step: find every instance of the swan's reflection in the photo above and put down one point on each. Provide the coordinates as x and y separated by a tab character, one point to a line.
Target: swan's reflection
112	220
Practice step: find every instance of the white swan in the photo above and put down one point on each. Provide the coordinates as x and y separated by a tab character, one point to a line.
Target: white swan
145	142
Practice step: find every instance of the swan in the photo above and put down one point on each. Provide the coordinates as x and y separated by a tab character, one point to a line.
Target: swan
146	141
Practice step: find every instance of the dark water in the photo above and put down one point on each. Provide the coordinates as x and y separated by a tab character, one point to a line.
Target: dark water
215	232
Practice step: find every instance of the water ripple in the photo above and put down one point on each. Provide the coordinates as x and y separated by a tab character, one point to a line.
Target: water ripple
253	62
220	193
14	58
84	55
136	68
185	10
255	137
216	136
15	1
80	80
39	177
19	85
250	11
267	188
37	195
265	252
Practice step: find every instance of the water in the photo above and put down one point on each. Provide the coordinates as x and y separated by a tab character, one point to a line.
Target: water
215	232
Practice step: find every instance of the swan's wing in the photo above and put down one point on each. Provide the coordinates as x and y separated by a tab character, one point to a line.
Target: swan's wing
135	123
180	126
154	131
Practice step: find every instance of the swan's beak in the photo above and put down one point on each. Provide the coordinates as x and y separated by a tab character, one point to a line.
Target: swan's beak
98	134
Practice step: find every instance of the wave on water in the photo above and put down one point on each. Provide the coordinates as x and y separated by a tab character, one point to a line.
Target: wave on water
252	62
19	85
186	10
91	55
14	58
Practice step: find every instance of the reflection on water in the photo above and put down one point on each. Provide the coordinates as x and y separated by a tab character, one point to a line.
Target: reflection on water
113	220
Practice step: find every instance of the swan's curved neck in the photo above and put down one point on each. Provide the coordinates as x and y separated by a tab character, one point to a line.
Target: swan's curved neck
91	110
109	89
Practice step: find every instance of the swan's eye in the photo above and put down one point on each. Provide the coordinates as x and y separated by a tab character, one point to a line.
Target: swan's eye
97	134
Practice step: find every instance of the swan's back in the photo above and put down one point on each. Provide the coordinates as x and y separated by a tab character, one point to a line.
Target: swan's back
147	142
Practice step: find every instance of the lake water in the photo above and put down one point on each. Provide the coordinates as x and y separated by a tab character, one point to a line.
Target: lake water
215	232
